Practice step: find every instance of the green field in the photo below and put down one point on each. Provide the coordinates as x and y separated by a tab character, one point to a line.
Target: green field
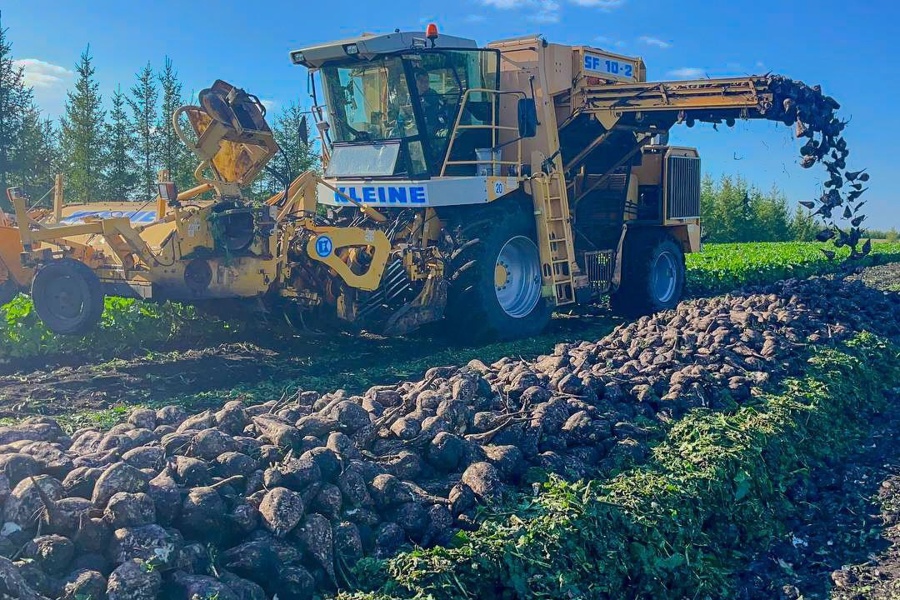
724	267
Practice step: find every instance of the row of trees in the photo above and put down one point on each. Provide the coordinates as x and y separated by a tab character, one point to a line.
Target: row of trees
114	151
735	211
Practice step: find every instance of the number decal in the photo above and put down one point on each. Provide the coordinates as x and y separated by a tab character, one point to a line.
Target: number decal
613	67
498	188
324	246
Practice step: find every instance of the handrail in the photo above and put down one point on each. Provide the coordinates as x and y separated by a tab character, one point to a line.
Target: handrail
494	127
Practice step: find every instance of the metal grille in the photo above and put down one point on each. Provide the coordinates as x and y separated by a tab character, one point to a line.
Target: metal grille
599	268
683	187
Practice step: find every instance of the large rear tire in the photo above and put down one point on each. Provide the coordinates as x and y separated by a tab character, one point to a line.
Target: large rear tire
653	274
67	296
495	276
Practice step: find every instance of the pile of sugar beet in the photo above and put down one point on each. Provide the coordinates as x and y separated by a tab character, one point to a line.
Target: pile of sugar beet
283	497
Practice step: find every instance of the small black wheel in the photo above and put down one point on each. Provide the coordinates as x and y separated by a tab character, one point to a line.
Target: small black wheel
495	276
67	296
653	274
9	289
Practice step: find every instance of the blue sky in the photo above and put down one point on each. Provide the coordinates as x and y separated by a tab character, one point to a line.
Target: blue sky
850	48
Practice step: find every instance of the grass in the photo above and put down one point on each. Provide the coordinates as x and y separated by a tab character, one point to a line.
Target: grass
126	325
684	525
724	267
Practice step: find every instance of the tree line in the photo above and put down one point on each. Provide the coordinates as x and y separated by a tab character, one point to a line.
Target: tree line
733	210
114	151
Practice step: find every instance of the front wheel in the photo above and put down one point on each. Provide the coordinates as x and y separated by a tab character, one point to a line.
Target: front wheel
67	296
495	277
8	290
653	274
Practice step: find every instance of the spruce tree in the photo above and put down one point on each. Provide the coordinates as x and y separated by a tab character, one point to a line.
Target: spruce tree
120	179
295	157
144	95
15	101
174	156
82	134
38	154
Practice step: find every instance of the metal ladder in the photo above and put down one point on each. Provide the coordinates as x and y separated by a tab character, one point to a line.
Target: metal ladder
557	251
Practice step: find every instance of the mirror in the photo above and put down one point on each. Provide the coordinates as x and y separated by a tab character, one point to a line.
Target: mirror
528	121
168	191
303	131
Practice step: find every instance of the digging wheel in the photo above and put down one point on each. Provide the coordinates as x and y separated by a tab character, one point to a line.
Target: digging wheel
495	276
653	274
67	296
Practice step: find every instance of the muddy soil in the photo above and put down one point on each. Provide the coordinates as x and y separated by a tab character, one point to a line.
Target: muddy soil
320	362
88	387
845	545
879	577
885	277
849	514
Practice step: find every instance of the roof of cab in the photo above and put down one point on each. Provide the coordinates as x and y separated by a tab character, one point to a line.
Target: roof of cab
371	45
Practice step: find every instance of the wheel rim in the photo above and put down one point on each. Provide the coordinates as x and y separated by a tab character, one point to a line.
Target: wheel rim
517	277
664	278
64	298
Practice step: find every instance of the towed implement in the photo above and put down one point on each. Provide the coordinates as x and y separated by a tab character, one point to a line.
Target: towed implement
480	186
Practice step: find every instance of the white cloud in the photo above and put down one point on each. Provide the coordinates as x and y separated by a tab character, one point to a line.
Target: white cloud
601	4
41	74
688	73
50	83
609	42
547	11
269	104
654	41
540	11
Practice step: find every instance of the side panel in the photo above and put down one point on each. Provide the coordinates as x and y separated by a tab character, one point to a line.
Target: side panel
446	191
600	64
689	236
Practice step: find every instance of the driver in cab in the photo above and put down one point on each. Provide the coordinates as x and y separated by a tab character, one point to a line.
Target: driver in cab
433	105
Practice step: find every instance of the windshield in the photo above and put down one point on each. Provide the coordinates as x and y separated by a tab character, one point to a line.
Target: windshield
370	102
414	98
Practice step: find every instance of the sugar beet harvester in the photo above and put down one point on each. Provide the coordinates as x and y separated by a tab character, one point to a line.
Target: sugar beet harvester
482	186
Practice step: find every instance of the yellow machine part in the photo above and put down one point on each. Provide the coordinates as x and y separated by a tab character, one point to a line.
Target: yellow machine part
234	162
325	244
10	263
